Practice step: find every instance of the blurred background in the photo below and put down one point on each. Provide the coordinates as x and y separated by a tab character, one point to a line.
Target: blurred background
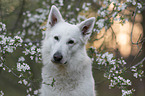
25	17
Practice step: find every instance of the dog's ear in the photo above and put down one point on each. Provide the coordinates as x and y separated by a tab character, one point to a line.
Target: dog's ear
54	16
86	27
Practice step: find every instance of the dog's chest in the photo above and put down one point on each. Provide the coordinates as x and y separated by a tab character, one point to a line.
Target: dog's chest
67	81
64	79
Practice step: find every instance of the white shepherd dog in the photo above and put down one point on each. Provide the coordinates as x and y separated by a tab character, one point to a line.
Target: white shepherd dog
65	60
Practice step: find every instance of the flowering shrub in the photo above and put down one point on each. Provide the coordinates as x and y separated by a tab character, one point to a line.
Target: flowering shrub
137	70
21	66
106	18
9	45
1	93
114	69
34	27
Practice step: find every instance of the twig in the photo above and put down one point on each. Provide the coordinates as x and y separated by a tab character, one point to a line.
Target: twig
100	37
135	58
11	71
133	24
114	35
140	62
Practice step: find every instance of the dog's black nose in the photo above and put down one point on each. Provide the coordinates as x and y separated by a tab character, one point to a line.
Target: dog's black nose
57	57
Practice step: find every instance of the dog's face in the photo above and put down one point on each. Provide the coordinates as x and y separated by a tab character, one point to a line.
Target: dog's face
65	39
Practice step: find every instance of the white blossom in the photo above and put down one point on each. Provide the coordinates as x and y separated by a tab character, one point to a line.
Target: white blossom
129	0
21	59
61	2
22	67
103	13
1	65
123	6
25	82
134	2
30	89
100	23
128	82
35	92
1	93
2	26
28	95
139	5
4	68
114	14
69	6
135	75
126	92
114	1
20	82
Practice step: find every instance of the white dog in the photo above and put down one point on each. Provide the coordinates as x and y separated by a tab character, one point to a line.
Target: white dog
65	60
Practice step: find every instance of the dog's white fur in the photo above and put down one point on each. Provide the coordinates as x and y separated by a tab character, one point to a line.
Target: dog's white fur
73	74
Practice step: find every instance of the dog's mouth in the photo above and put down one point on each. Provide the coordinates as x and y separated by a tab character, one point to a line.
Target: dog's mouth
65	62
58	62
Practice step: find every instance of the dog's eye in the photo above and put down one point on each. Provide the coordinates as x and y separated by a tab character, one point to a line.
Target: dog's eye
70	42
56	38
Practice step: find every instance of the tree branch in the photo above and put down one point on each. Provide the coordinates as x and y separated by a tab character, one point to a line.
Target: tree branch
1	11
143	39
19	16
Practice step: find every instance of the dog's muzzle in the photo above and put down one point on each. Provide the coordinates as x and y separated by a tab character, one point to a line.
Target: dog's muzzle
57	58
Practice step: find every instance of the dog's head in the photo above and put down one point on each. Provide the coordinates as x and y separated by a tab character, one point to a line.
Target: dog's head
64	40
